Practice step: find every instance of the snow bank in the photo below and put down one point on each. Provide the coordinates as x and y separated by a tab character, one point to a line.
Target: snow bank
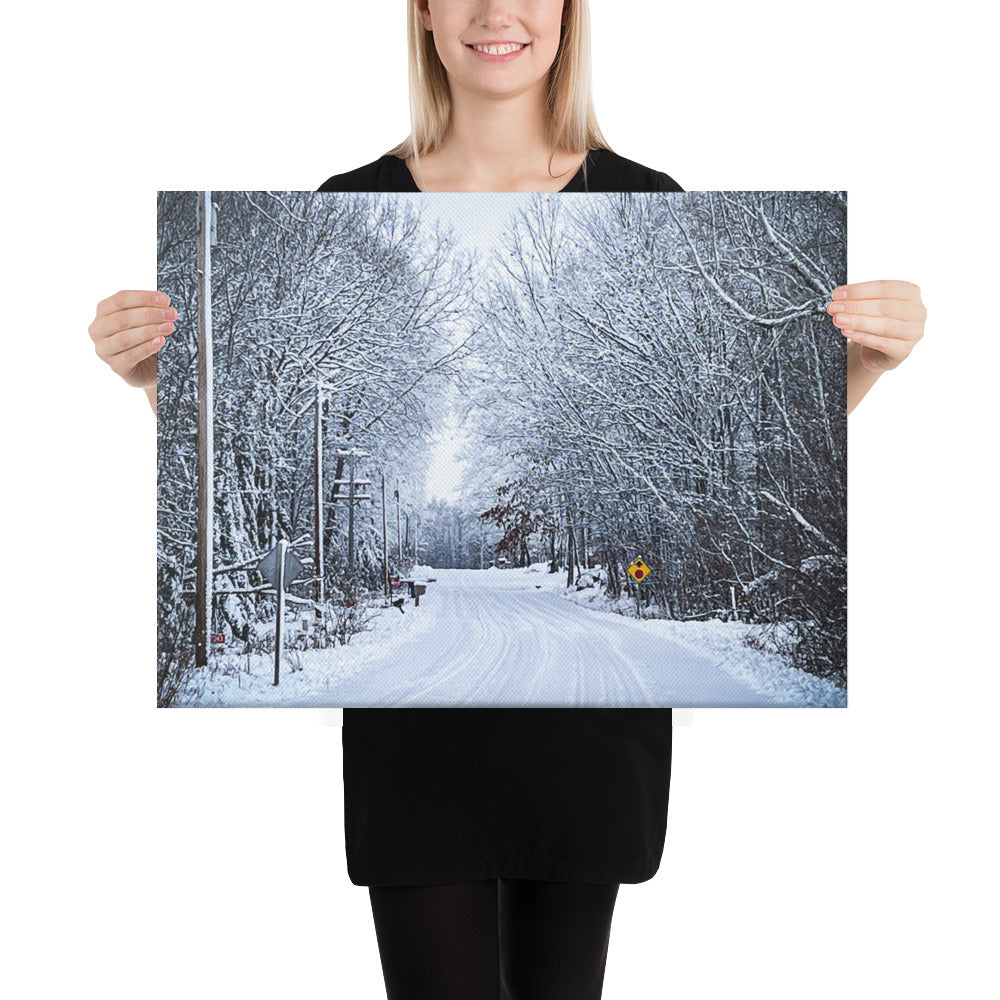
765	673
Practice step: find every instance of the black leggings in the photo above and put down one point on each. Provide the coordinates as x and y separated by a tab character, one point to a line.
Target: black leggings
499	939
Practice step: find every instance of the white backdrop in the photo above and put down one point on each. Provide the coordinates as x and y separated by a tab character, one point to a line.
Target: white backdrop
808	852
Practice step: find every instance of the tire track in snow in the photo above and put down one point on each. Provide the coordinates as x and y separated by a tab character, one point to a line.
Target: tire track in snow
490	645
496	639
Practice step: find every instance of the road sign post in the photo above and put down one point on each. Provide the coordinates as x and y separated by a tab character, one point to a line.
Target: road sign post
639	571
279	567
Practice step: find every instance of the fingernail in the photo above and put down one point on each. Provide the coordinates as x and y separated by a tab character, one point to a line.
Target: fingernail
840	293
160	299
836	307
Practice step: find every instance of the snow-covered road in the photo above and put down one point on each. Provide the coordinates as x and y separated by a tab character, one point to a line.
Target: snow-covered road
512	638
497	639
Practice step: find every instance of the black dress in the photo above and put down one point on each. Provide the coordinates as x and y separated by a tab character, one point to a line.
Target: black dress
441	795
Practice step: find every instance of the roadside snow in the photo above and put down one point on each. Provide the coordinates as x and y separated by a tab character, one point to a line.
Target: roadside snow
516	637
765	673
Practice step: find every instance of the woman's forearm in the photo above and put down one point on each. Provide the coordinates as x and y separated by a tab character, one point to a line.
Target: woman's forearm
859	380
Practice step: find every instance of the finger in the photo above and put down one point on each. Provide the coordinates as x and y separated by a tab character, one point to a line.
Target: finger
903	309
130	299
123	364
131	319
880	326
114	346
890	346
877	290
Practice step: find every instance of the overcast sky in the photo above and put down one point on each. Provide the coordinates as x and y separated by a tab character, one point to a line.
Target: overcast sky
478	219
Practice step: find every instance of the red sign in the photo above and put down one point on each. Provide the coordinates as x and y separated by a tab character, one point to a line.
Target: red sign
218	637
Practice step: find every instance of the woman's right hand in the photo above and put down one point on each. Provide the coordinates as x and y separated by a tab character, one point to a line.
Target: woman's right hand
128	330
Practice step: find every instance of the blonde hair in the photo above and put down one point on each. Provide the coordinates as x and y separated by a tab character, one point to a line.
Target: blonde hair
572	124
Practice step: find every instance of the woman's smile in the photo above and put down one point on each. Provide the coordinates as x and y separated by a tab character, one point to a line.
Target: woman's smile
497	51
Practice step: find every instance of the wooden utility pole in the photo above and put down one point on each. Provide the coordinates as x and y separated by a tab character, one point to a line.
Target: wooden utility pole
351	454
399	533
203	558
318	498
350	514
280	619
385	545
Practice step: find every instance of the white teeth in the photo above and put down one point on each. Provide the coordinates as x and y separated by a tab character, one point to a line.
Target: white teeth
498	50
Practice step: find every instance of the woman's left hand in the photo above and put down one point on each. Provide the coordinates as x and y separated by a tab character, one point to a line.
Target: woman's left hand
886	318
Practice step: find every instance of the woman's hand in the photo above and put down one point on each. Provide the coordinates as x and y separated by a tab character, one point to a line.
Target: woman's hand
128	330
882	320
886	318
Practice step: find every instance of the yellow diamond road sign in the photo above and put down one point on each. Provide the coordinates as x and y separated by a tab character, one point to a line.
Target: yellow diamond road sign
638	570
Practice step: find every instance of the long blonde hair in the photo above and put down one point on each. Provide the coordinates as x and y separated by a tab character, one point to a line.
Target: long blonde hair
572	124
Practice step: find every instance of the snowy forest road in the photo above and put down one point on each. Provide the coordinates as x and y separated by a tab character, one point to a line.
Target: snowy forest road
505	638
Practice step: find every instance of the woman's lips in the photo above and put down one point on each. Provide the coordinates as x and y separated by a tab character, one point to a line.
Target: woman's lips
498	51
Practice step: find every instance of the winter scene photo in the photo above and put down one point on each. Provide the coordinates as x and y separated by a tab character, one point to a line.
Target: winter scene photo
502	450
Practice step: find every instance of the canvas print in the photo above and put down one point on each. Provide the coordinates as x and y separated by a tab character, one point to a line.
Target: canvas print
502	450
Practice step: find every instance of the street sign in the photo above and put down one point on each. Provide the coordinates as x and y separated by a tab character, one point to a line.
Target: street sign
638	570
268	567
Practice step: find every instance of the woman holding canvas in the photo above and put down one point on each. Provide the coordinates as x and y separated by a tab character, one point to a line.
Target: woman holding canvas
493	841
